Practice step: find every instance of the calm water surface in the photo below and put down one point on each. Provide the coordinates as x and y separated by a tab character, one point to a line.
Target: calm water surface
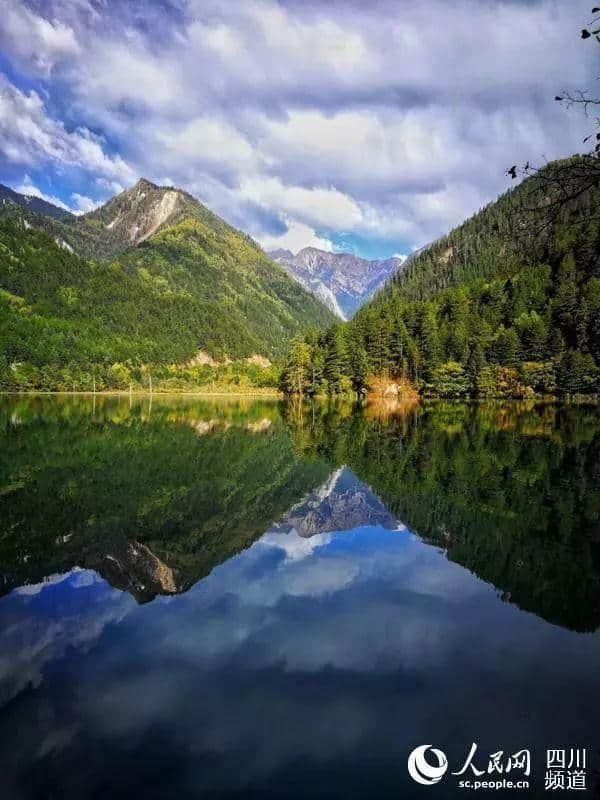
240	599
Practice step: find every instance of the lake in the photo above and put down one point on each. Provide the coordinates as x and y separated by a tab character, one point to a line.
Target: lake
234	598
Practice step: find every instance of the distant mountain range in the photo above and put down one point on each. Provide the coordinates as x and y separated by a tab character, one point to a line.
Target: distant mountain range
342	281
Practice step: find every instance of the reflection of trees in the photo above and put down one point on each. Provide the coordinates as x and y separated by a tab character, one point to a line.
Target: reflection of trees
145	500
510	492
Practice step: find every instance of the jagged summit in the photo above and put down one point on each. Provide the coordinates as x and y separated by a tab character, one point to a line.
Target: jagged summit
343	281
342	503
136	214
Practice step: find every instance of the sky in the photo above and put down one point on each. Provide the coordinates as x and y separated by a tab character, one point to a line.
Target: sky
370	127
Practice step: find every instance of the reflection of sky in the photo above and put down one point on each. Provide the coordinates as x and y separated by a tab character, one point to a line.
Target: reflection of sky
304	663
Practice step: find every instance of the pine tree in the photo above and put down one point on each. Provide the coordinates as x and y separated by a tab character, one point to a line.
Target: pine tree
474	366
336	362
359	368
429	342
504	348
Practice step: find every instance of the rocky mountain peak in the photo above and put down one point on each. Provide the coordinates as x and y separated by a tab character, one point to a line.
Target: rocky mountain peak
343	281
137	213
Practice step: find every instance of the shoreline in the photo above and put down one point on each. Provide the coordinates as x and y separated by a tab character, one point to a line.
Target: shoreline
274	395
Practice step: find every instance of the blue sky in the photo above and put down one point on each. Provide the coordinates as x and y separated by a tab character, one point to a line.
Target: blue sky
371	127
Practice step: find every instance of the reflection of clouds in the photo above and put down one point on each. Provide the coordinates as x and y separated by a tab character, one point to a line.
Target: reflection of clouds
294	546
35	588
35	636
339	646
373	638
367	574
303	578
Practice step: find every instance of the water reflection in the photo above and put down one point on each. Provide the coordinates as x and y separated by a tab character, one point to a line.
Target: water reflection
302	638
510	492
152	503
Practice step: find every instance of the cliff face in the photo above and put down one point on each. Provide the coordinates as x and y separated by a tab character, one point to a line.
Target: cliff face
342	281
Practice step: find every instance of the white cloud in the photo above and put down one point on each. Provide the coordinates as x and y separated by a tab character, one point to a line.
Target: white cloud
113	187
325	206
37	43
127	72
208	141
294	546
83	204
295	238
29	136
354	118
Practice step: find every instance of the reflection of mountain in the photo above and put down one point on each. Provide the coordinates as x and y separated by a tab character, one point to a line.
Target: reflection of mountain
139	496
511	494
340	504
154	499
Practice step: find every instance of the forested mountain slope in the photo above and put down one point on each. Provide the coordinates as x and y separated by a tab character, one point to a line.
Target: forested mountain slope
180	280
508	304
35	204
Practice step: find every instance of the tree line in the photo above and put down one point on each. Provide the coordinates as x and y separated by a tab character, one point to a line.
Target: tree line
494	309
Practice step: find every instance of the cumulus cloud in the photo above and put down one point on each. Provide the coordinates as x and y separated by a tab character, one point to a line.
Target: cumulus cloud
30	136
37	43
83	204
30	643
295	238
301	121
324	206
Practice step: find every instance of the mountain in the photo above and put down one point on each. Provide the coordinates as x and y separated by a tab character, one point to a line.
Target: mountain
134	216
151	277
342	281
35	204
490	484
506	305
340	504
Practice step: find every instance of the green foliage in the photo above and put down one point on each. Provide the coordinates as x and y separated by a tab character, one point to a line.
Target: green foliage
504	347
509	490
193	481
491	297
187	288
578	373
449	380
540	376
296	373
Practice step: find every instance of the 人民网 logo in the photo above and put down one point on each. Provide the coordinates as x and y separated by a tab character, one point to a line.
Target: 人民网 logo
421	770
